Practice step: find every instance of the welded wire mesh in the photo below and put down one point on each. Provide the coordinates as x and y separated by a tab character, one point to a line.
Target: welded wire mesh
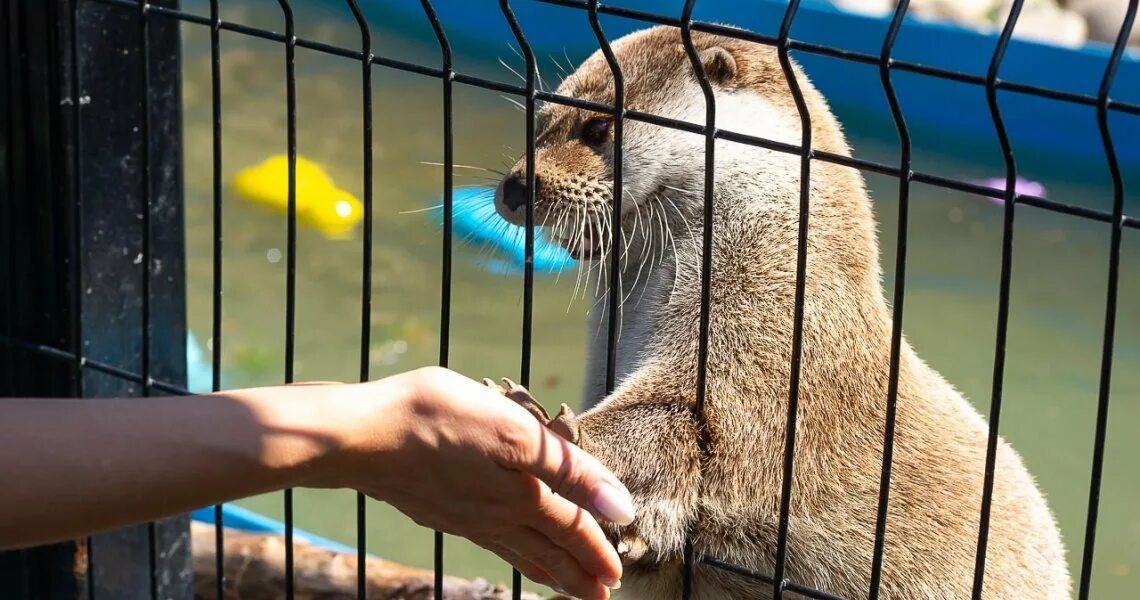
531	94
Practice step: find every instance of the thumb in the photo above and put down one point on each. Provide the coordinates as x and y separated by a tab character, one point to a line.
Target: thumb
570	472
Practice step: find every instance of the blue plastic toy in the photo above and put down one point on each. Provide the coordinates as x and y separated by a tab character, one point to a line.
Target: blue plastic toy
475	222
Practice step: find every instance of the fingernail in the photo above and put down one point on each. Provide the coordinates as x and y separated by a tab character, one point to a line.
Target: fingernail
613	584
614	503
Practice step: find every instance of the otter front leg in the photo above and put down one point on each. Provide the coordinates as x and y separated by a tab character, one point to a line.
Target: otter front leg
649	441
631	548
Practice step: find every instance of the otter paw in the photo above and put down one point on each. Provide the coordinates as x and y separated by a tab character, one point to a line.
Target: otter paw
521	396
565	423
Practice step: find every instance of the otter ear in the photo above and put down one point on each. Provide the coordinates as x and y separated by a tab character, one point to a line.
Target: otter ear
719	64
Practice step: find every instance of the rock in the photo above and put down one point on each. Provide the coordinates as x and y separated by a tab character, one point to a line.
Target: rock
1045	21
874	8
1104	19
962	12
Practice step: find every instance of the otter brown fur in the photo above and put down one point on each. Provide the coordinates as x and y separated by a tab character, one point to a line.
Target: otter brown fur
644	430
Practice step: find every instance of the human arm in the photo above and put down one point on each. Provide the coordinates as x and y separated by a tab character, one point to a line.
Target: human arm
445	450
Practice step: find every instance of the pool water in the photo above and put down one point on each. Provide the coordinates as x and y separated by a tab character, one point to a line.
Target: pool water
1056	313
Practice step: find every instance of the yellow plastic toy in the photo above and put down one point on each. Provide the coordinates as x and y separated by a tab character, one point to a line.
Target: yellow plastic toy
320	204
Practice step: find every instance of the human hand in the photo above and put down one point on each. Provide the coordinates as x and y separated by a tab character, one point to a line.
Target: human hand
459	458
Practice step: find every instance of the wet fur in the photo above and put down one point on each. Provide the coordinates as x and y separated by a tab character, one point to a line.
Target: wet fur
645	432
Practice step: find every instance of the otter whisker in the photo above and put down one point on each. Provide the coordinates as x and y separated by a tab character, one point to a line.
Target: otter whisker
564	71
512	69
607	234
673	241
516	103
646	240
542	87
575	240
432	163
559	213
420	210
681	215
677	189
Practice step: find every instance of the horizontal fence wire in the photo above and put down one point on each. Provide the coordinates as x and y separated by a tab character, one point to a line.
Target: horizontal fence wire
85	364
1129	221
990	82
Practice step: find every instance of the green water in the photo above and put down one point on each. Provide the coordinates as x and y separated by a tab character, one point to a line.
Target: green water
1055	326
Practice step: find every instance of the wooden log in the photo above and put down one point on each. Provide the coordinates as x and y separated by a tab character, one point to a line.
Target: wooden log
255	570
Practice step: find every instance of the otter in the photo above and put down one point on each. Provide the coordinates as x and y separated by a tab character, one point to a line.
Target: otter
727	490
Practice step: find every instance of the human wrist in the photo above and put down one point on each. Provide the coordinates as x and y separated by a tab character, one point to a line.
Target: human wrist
364	423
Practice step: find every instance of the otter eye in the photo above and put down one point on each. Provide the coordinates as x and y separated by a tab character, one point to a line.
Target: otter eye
596	131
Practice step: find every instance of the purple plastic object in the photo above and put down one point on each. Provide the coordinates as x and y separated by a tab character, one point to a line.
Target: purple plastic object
1020	186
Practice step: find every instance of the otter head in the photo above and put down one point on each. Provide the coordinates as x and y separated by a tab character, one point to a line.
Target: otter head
663	167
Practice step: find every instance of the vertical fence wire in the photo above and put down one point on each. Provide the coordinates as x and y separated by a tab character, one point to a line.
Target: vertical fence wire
448	213
706	272
365	267
615	291
144	139
1110	300
77	248
216	310
1003	299
528	271
291	251
780	581
899	295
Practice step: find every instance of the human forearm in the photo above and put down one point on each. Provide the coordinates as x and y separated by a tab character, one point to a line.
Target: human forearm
73	466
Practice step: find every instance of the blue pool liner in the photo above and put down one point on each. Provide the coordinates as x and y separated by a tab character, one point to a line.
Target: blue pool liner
475	222
945	110
242	519
199	373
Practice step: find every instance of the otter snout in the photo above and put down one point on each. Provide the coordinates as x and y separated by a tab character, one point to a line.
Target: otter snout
511	197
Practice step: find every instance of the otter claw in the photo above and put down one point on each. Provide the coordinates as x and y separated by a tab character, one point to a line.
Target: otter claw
631	550
521	396
565	424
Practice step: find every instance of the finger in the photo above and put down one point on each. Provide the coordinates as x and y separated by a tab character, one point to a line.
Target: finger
566	571
574	530
568	470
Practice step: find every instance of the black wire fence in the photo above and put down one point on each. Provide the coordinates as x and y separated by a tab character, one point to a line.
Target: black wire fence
51	153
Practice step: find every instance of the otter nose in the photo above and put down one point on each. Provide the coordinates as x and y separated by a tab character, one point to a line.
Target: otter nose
514	191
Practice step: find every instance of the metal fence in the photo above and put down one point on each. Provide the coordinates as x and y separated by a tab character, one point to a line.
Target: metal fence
52	154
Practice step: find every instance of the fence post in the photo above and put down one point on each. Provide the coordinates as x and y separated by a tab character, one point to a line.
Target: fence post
72	189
